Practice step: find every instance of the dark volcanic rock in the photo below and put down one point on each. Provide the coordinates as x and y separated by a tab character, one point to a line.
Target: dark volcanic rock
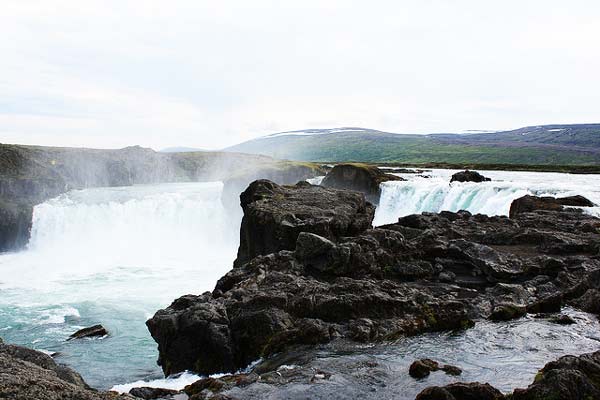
149	393
461	391
468	176
92	331
27	374
360	177
422	368
589	302
562	319
15	225
275	215
568	378
531	203
311	270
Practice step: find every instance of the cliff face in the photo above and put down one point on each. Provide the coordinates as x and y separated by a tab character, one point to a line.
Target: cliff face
15	224
310	270
30	175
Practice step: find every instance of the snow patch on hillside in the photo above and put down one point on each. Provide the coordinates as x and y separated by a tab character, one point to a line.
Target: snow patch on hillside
314	132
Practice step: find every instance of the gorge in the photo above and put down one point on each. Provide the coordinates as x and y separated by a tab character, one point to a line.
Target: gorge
175	239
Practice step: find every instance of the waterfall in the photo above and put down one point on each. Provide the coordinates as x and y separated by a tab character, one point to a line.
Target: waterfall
435	194
154	227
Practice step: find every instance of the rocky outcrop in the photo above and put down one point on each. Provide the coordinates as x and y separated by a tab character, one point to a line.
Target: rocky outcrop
568	378
589	302
275	215
310	270
27	374
532	203
469	176
359	177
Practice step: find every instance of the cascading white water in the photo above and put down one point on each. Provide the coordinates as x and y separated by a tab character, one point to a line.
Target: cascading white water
436	193
93	231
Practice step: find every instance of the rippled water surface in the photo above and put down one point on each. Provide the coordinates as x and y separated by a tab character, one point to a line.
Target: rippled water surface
505	354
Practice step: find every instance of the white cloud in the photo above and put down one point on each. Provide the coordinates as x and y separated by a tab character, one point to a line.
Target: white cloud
209	74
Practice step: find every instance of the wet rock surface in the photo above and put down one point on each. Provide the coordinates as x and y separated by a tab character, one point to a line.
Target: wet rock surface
422	368
469	176
461	391
149	393
359	177
275	215
568	378
532	203
334	277
92	331
26	374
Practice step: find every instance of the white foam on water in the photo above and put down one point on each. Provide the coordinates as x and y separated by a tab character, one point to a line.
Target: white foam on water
435	194
177	382
317	180
58	315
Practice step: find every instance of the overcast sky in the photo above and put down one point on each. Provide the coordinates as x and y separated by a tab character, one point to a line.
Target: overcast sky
210	74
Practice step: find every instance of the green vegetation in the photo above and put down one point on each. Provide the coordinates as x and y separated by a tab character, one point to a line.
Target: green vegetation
552	145
568	169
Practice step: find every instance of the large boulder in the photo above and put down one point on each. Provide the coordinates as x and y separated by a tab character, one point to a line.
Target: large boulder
532	203
275	215
469	176
359	177
27	374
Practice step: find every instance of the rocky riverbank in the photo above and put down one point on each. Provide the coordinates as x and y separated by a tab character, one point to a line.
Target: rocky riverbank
27	374
312	270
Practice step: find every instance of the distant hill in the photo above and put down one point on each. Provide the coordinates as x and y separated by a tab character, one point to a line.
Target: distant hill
180	150
548	144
